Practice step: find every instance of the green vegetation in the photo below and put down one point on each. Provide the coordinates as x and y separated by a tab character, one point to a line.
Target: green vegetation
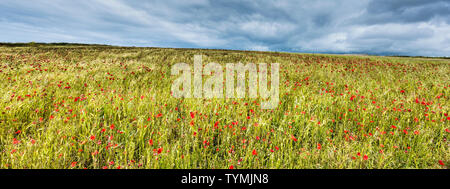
89	106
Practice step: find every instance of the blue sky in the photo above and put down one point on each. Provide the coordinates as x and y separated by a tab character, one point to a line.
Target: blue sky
388	27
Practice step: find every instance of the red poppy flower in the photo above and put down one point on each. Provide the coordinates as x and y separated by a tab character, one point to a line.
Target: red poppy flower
293	138
365	157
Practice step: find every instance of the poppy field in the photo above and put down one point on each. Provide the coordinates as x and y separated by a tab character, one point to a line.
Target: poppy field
104	107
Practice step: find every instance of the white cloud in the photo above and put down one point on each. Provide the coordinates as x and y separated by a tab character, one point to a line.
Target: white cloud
319	26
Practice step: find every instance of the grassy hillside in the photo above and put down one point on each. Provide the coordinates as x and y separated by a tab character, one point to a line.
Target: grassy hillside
92	106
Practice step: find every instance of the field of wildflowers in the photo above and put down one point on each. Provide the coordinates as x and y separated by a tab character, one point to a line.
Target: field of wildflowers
101	107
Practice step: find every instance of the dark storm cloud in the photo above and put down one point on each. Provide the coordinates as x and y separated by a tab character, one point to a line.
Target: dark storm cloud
381	11
412	27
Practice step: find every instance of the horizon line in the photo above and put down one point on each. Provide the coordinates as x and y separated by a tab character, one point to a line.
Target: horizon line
19	44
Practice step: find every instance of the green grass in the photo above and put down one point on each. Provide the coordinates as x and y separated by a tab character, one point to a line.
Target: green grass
74	107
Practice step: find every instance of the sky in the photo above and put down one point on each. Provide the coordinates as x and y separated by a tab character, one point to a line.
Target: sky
379	27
